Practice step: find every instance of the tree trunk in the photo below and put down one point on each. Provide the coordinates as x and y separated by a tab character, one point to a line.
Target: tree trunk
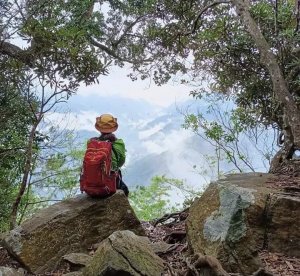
26	171
291	113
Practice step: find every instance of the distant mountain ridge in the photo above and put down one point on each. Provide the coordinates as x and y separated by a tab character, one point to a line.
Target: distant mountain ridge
155	141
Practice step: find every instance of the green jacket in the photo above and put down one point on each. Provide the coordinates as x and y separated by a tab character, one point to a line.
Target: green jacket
118	154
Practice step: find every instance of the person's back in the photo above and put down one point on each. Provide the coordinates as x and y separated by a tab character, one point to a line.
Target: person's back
106	124
118	149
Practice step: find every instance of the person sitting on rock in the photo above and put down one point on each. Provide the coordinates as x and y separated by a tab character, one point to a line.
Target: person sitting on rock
106	124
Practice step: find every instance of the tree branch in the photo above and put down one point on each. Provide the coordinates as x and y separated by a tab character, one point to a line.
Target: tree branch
203	10
16	52
105	49
129	27
114	54
297	16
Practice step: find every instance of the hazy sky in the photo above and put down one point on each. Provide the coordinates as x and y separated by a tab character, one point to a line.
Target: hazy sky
113	95
118	84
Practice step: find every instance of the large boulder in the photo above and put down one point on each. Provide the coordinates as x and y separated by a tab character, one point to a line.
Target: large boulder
238	215
73	225
124	253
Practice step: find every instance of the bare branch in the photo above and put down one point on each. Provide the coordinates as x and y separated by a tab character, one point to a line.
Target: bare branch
20	9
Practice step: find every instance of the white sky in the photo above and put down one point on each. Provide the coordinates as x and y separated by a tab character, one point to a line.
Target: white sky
117	83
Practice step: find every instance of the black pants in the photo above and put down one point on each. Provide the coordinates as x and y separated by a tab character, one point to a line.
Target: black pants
121	185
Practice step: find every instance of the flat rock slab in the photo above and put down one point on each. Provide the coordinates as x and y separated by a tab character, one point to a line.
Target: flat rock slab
73	225
77	260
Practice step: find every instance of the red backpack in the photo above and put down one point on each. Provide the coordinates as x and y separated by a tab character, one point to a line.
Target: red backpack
96	177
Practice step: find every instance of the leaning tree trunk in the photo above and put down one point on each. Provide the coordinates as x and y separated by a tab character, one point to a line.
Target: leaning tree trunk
26	171
291	114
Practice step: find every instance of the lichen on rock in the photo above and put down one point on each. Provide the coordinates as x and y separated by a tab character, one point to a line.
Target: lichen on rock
229	221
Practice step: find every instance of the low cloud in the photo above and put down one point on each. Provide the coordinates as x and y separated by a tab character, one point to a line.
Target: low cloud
83	120
147	133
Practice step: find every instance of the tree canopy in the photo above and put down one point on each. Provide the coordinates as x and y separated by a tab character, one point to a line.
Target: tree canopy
249	49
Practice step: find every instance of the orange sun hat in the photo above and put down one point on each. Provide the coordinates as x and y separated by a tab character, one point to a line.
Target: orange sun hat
106	123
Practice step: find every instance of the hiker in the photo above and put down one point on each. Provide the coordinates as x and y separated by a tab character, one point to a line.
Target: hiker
107	124
105	155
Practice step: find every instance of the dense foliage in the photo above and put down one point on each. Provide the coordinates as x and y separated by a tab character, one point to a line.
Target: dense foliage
153	201
80	40
15	120
239	144
213	44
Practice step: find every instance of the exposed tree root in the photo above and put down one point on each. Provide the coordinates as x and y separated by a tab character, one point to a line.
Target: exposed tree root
203	265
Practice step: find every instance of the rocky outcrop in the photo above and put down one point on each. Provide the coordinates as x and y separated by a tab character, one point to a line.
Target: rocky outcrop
73	225
237	216
124	253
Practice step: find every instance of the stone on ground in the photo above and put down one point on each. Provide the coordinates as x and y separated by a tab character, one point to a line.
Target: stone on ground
124	253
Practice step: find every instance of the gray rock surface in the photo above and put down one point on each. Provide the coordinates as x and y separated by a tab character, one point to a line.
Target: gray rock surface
73	225
124	253
237	216
9	271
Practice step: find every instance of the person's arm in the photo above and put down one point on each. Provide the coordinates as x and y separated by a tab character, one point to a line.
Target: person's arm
118	154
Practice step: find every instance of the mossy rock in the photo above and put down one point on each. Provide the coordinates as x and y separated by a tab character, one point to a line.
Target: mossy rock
124	253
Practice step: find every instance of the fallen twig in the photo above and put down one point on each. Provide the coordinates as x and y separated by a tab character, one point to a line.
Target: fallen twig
175	215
